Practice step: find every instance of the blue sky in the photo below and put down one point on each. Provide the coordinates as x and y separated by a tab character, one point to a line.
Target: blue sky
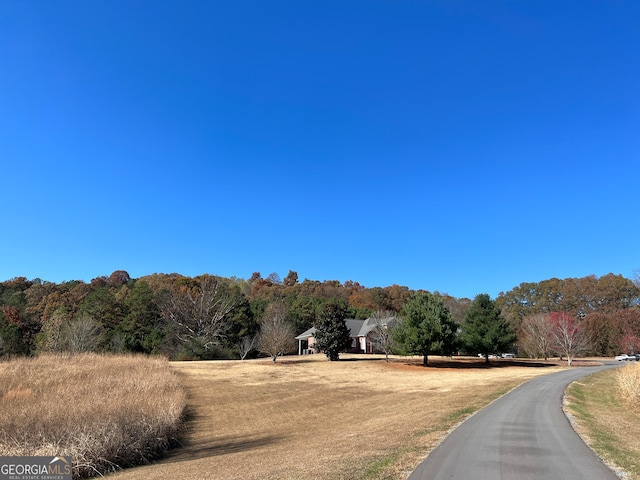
454	146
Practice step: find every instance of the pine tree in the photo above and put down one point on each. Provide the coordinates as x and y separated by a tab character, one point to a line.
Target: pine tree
426	327
485	331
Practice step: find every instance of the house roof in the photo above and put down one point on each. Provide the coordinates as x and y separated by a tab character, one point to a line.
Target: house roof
357	328
306	334
361	328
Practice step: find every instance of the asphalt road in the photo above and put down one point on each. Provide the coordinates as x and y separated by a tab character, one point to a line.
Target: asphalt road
522	435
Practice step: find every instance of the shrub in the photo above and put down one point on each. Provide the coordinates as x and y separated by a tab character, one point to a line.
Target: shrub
106	412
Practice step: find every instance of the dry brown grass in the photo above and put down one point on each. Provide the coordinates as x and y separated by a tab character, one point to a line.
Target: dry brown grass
628	384
104	411
306	417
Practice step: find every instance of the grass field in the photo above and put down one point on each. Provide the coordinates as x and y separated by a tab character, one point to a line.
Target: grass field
607	418
306	417
104	411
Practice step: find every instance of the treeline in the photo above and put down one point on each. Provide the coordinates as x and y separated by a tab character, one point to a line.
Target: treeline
208	316
181	317
607	308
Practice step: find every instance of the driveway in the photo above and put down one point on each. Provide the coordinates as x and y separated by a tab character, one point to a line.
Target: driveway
522	435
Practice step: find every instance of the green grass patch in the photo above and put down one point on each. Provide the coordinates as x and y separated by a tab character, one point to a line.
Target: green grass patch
377	470
462	414
458	415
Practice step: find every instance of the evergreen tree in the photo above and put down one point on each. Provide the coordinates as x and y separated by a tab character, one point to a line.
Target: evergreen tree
332	335
11	341
426	327
141	327
485	331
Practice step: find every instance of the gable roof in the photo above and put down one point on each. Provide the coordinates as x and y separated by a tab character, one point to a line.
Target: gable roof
357	328
306	334
366	326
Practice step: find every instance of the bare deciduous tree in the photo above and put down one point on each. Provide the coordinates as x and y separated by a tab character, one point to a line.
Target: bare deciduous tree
277	335
82	334
536	335
384	322
200	311
246	344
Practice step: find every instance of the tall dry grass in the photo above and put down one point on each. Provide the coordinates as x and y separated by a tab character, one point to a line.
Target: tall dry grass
628	384
106	412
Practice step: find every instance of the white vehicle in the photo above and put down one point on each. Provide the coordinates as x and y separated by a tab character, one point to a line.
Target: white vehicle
624	357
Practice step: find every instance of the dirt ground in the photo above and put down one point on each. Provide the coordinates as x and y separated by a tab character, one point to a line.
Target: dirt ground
306	417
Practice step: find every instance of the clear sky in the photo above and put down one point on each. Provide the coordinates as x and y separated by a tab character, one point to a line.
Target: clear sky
455	146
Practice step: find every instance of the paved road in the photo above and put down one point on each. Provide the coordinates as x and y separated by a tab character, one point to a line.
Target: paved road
523	435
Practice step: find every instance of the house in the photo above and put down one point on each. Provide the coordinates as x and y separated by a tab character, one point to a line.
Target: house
305	342
363	338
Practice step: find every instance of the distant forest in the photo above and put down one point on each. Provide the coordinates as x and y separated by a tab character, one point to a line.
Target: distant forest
209	317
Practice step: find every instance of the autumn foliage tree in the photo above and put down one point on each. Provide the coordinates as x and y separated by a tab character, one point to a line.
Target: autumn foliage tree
628	322
603	333
291	279
576	296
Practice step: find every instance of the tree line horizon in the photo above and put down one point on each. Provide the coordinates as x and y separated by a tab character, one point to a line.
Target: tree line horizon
208	316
